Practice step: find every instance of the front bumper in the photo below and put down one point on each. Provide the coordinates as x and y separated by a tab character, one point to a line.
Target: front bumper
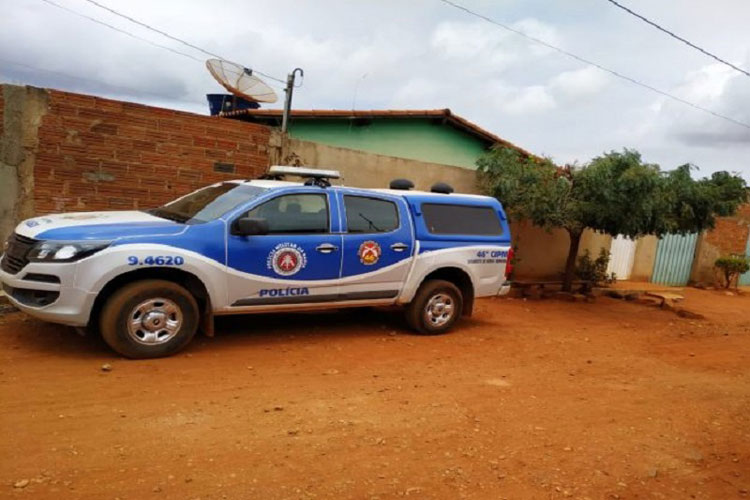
55	302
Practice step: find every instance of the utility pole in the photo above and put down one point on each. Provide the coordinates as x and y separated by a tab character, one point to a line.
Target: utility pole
288	101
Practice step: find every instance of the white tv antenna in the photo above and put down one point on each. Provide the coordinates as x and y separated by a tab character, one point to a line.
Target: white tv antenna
240	81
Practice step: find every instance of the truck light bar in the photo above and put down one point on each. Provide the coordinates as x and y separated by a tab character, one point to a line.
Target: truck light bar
310	173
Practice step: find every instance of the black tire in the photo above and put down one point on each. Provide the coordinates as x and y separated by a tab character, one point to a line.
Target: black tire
165	302
418	316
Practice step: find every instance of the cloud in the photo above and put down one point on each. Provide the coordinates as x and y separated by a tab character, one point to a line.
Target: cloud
485	47
422	54
580	82
719	89
533	99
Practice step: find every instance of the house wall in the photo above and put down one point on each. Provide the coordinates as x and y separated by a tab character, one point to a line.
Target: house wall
61	151
541	254
417	139
730	236
364	169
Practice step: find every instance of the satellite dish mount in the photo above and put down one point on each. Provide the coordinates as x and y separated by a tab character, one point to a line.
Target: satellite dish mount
288	101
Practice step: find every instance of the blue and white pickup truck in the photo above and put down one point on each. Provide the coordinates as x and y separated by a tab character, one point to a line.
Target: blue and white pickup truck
148	280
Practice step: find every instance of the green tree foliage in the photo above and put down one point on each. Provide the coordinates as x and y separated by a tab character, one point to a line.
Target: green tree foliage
615	193
732	266
594	270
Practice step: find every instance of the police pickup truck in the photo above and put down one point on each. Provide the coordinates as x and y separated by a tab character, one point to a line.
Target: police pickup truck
148	280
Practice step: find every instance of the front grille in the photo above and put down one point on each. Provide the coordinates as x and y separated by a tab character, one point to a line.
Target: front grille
15	257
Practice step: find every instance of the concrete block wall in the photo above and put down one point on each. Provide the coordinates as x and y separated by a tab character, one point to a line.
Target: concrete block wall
61	152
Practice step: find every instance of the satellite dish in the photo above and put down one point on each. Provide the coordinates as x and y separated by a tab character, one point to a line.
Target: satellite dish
240	81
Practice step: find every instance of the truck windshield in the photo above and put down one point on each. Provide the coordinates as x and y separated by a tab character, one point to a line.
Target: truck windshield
208	203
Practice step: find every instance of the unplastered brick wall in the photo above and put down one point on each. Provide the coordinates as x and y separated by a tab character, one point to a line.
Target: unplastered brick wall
730	236
731	233
102	154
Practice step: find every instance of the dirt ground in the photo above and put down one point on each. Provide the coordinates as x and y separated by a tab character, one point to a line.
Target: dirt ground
528	399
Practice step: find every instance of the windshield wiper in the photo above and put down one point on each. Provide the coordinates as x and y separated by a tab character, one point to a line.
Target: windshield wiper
165	214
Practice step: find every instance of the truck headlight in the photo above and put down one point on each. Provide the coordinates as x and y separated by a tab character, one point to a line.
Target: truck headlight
64	251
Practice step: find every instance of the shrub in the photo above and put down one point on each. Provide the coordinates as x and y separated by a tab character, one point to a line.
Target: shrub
594	270
732	266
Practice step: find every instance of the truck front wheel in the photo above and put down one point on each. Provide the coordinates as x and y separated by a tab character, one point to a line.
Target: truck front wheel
149	319
436	307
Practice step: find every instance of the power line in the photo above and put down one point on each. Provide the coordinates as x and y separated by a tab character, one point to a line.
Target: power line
127	90
179	40
124	32
673	35
596	65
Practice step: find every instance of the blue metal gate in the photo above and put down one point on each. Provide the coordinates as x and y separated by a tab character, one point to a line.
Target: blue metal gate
674	259
745	278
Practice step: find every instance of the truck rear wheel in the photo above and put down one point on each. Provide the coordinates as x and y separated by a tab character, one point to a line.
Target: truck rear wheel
436	307
149	319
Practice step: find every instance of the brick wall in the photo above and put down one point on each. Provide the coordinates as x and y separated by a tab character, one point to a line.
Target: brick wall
101	154
731	233
728	237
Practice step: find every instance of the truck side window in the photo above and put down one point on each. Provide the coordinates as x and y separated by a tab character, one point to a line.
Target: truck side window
294	213
370	215
461	219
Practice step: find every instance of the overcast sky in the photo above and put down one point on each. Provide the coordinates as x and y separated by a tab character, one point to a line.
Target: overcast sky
403	54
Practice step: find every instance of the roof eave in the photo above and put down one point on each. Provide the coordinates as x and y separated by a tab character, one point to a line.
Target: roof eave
445	113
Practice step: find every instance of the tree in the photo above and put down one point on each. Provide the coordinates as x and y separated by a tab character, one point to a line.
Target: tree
616	193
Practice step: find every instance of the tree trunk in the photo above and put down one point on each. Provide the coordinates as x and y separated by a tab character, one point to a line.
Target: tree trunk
570	265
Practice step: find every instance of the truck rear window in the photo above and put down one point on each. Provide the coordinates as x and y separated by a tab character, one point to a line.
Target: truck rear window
461	219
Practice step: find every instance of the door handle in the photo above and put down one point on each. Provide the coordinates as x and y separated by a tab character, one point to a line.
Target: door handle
399	247
326	248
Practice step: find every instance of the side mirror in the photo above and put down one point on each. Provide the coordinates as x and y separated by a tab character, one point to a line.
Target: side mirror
247	226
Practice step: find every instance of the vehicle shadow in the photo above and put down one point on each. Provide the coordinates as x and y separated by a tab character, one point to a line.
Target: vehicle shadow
359	322
23	333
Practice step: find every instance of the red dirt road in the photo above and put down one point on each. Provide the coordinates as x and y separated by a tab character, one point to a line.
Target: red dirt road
529	399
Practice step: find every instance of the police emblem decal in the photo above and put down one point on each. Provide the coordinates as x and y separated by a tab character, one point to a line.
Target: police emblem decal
286	259
369	252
